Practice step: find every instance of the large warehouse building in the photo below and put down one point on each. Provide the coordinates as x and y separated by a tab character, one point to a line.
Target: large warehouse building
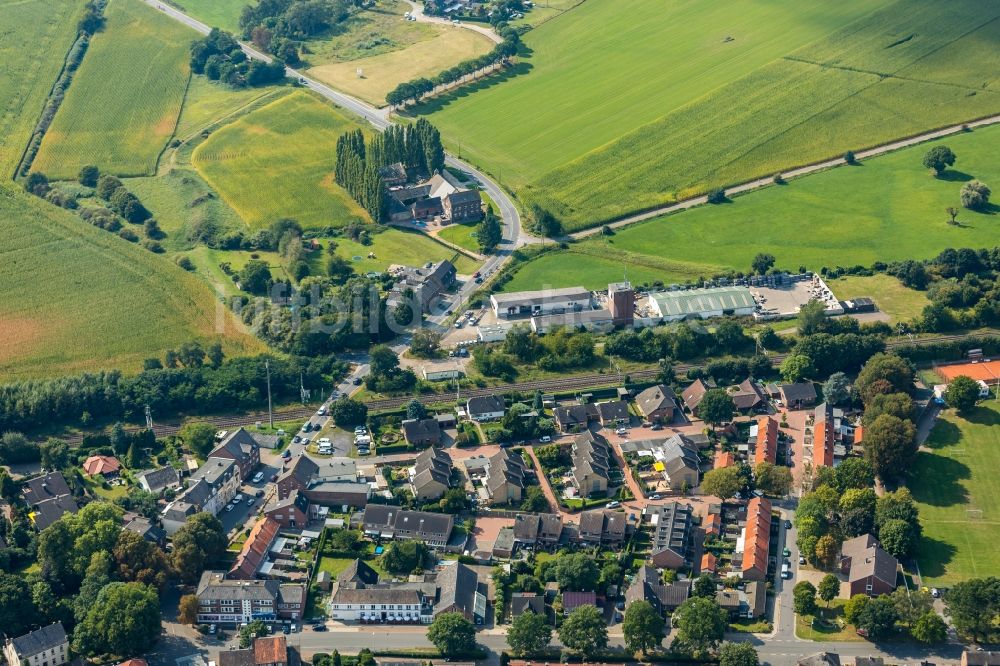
702	303
542	302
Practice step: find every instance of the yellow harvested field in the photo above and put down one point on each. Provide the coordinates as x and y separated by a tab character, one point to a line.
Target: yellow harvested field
382	73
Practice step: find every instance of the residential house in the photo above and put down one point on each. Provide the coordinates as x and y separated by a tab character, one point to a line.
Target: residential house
526	602
709	564
573	600
48	498
210	489
612	413
504	545
461	591
755	540
541	529
157	480
392	522
591	462
421	433
291	600
47	646
571	418
647	586
379	603
145	528
765	435
49	511
105	466
824	435
255	549
672	534
291	512
748	396
869	568
756	596
334	485
980	658
430	477
695	391
678	460
240	446
485	408
426	283
601	527
657	404
800	395
878	661
723	459
427	208
712	525
748	604
270	651
393	175
463	206
820	659
221	600
505	477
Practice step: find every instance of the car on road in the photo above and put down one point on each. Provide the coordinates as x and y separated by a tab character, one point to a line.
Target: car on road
319	627
786	571
258	477
238	498
294	628
356	381
479	280
230	507
321	411
287	453
621	432
613	505
656	426
284	629
655	497
786	552
251	501
476	274
788	524
296	439
545	439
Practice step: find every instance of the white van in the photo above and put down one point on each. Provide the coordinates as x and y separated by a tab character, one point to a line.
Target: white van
786	571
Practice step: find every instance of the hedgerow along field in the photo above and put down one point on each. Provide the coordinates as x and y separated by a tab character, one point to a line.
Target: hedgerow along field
617	111
77	298
888	208
277	161
122	106
34	40
958	491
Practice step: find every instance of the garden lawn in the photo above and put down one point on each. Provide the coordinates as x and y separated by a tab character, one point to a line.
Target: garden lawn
893	298
828	628
123	103
77	298
277	161
397	246
840	217
959	474
34	40
611	111
462	235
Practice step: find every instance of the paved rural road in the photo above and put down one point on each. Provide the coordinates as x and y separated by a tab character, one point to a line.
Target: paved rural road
514	236
790	174
418	12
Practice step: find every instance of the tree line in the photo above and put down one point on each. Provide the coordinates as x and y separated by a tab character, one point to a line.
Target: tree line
360	176
415	89
279	26
220	58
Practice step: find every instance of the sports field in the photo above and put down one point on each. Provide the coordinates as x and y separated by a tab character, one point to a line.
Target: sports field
840	217
122	106
77	298
959	494
34	38
988	371
277	161
614	111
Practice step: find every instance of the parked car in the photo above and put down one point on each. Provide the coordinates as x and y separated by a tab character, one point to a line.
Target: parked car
802	559
785	552
286	454
613	504
251	501
319	627
258	477
545	439
655	497
788	524
229	507
212	629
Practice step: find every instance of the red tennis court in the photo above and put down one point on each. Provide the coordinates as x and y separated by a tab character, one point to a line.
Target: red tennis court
988	371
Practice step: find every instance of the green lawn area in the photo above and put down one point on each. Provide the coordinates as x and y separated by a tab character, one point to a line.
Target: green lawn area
959	475
277	161
34	40
122	106
839	217
96	286
899	302
462	235
664	101
223	14
113	492
826	627
400	246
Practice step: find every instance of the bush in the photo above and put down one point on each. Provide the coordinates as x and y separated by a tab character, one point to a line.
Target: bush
717	196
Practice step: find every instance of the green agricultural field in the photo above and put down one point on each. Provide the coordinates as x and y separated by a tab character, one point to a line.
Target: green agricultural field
277	161
959	494
209	102
899	302
840	217
34	39
182	202
399	246
616	111
223	14
77	298
122	106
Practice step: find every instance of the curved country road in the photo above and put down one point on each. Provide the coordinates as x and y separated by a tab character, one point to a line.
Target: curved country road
758	183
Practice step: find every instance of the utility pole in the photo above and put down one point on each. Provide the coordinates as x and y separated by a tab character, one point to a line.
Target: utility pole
149	418
270	414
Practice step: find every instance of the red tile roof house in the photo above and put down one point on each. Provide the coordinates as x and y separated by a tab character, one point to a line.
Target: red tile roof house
106	466
254	550
756	539
823	436
766	447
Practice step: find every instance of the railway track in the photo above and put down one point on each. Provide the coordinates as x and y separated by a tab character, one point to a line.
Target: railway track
556	385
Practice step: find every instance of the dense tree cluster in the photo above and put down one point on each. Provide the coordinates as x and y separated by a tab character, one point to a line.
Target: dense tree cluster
220	58
414	90
278	26
489	233
359	175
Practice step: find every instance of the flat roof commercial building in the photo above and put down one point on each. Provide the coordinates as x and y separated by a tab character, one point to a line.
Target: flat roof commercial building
702	303
540	302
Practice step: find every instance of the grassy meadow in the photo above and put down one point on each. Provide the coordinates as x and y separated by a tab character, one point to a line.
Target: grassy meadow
958	474
122	106
841	217
614	111
277	161
400	246
34	38
223	14
893	298
209	102
77	298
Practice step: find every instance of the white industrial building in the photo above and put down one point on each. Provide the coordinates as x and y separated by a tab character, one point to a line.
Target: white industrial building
702	303
541	302
493	332
592	320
